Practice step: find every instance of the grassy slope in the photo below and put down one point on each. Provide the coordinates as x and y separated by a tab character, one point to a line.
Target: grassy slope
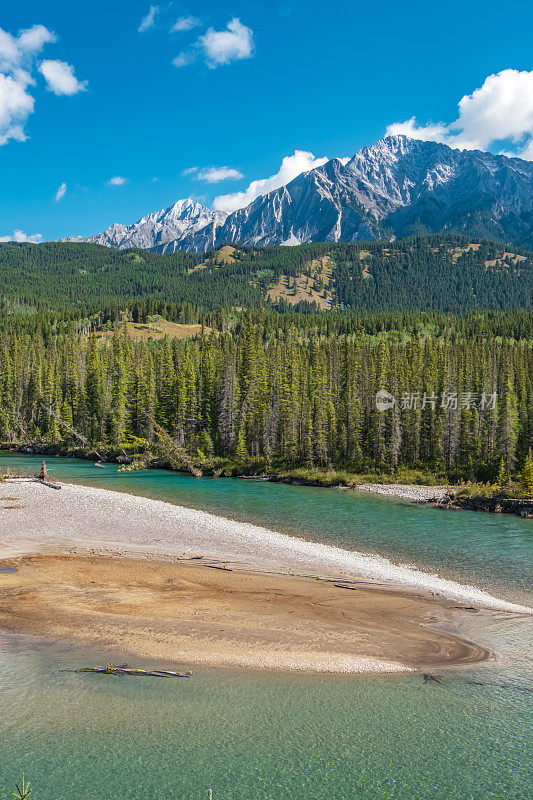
158	329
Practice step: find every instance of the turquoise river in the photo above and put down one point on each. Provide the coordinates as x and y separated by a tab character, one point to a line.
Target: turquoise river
257	736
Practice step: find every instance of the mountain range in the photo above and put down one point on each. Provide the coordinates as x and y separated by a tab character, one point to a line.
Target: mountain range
185	217
395	188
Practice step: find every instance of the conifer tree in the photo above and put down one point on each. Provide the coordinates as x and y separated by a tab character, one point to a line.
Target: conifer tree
526	478
94	390
241	453
502	479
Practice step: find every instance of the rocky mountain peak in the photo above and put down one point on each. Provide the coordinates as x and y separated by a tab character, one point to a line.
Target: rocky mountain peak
170	224
391	189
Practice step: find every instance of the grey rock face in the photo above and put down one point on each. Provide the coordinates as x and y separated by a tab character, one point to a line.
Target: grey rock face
155	229
395	188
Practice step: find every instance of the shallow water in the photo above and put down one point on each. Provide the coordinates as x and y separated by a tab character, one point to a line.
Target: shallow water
252	735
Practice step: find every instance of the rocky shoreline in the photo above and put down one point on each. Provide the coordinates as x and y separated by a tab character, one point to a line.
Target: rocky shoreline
420	494
443	497
495	505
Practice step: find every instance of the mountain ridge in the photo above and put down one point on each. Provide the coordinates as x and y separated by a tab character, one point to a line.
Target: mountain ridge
386	191
155	228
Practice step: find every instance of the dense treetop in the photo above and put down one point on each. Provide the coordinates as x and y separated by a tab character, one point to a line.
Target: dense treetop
442	272
297	390
291	347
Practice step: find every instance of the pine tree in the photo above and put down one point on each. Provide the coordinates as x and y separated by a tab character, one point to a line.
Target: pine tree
229	397
118	411
502	479
167	390
241	453
94	390
508	424
526	478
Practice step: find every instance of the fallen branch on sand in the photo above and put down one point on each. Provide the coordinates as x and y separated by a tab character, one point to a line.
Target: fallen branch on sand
110	669
44	478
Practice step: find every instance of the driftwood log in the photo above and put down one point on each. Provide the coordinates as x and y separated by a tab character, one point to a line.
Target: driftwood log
44	478
111	669
429	678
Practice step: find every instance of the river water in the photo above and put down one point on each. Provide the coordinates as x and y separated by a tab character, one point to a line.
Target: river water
252	735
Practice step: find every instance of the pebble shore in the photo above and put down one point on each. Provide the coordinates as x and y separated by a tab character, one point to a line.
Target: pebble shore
82	519
423	494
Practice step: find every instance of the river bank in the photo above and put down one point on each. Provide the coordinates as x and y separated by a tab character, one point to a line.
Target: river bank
191	613
188	586
84	519
328	479
444	496
254	469
494	505
420	494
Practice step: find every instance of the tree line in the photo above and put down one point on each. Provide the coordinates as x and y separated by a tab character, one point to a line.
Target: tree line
292	389
444	272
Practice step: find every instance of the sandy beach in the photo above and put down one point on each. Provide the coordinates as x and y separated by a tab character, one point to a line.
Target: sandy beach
179	584
194	614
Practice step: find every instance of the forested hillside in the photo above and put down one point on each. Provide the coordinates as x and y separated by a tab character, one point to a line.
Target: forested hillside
260	356
282	389
446	273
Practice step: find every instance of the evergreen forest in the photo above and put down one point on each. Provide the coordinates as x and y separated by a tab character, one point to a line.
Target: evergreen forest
260	383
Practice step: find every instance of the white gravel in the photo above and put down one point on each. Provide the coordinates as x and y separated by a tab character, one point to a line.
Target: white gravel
422	493
86	519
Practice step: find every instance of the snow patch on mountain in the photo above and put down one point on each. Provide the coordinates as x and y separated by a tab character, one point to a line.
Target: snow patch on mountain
168	225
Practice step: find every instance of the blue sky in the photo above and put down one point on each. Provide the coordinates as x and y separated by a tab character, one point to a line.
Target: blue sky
324	78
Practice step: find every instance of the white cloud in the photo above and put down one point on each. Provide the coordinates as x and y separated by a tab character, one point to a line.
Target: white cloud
20	236
17	52
526	152
185	24
291	167
60	78
17	63
32	40
10	51
148	21
216	174
432	132
61	192
185	58
190	171
501	110
233	44
15	107
117	180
